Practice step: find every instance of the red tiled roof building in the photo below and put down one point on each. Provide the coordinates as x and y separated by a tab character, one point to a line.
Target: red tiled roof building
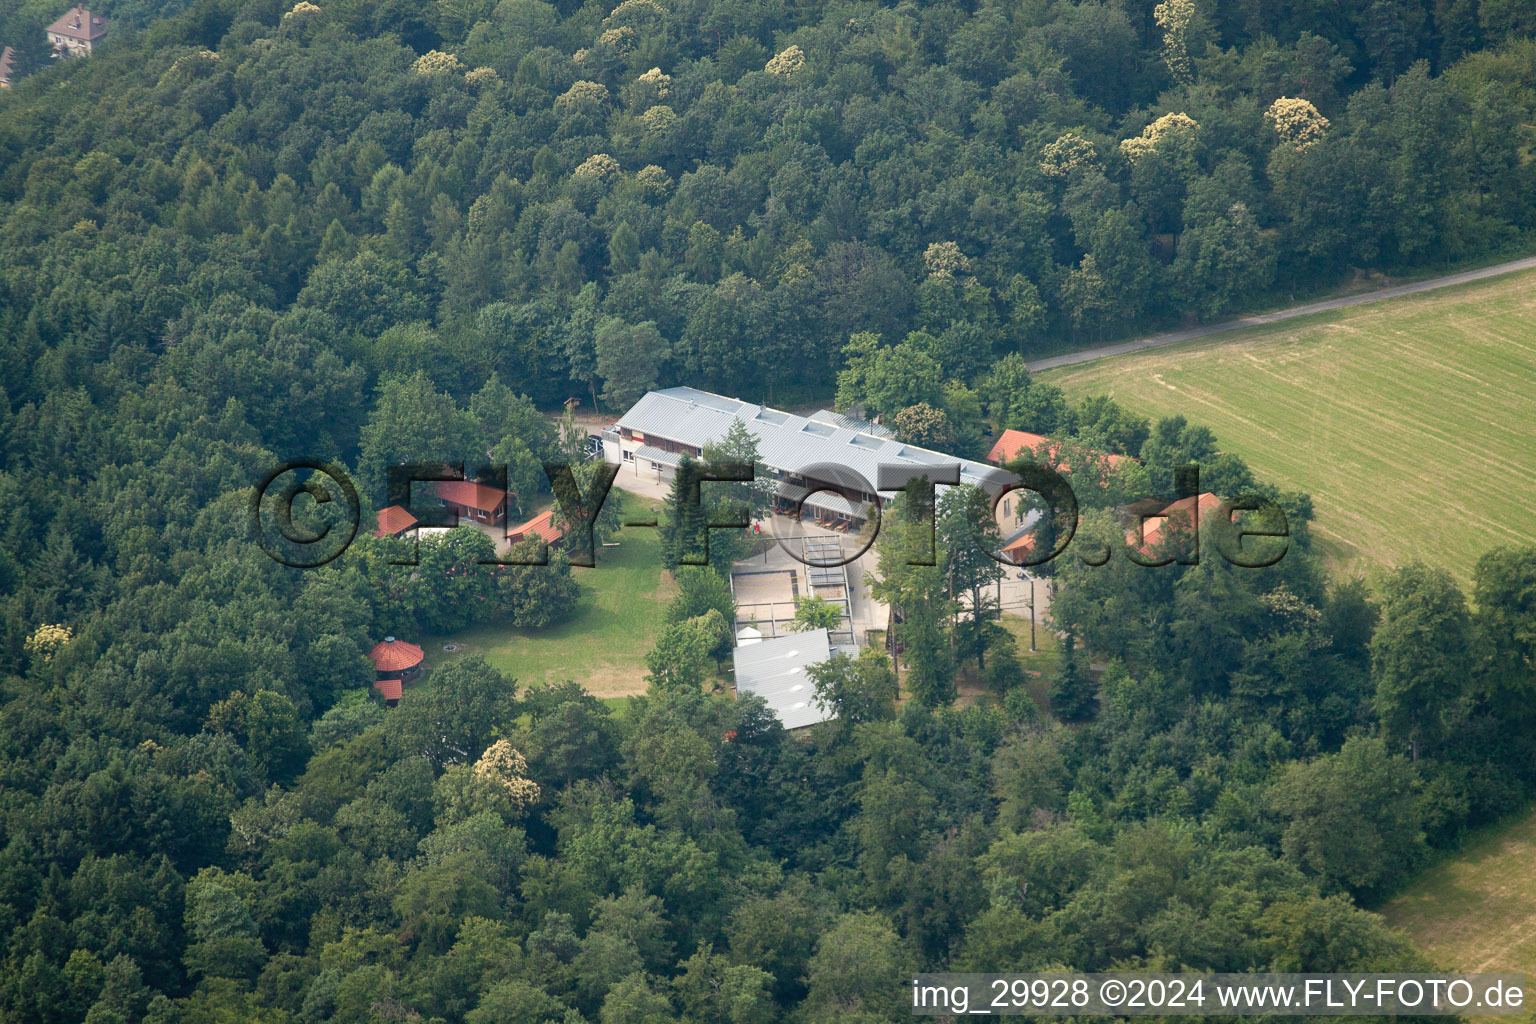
1013	443
395	521
473	500
1183	515
395	663
541	526
1019	548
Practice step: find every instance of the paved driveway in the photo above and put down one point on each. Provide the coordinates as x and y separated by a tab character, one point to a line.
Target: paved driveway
643	482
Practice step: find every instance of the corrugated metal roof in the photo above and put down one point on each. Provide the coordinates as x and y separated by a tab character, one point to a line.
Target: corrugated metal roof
666	458
774	668
837	419
831	501
789	442
790	492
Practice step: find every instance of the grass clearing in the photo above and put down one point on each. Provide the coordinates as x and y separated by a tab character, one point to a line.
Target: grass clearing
1476	911
1408	421
603	645
1040	665
619	706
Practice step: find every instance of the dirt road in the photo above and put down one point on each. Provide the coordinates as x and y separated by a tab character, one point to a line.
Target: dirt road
1173	337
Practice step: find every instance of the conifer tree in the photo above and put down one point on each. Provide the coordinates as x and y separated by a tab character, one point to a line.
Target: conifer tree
1072	694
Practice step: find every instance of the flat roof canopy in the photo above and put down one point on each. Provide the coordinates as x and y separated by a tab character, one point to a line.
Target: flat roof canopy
658	455
775	668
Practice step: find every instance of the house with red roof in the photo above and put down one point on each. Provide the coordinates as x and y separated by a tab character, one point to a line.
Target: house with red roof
1150	533
1018	549
1013	443
395	521
541	526
473	501
395	663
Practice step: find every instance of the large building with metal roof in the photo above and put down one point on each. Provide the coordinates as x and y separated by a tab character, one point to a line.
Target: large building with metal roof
777	670
664	426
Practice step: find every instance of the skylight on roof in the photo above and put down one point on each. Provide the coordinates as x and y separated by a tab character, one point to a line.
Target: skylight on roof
819	429
719	402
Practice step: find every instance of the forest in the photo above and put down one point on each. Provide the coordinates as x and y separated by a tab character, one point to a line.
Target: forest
392	232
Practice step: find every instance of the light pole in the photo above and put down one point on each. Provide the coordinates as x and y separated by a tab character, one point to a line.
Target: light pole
1031	614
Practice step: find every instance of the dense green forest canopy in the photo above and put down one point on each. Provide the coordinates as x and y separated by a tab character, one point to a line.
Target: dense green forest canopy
724	193
397	231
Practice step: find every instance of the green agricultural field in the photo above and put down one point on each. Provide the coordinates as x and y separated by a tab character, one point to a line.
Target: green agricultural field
603	645
1477	911
1409	421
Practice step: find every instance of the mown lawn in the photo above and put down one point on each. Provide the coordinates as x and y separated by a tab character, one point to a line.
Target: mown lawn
1476	911
1408	421
603	645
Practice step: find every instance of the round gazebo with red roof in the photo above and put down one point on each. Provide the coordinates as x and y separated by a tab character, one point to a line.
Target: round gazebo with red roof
395	663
